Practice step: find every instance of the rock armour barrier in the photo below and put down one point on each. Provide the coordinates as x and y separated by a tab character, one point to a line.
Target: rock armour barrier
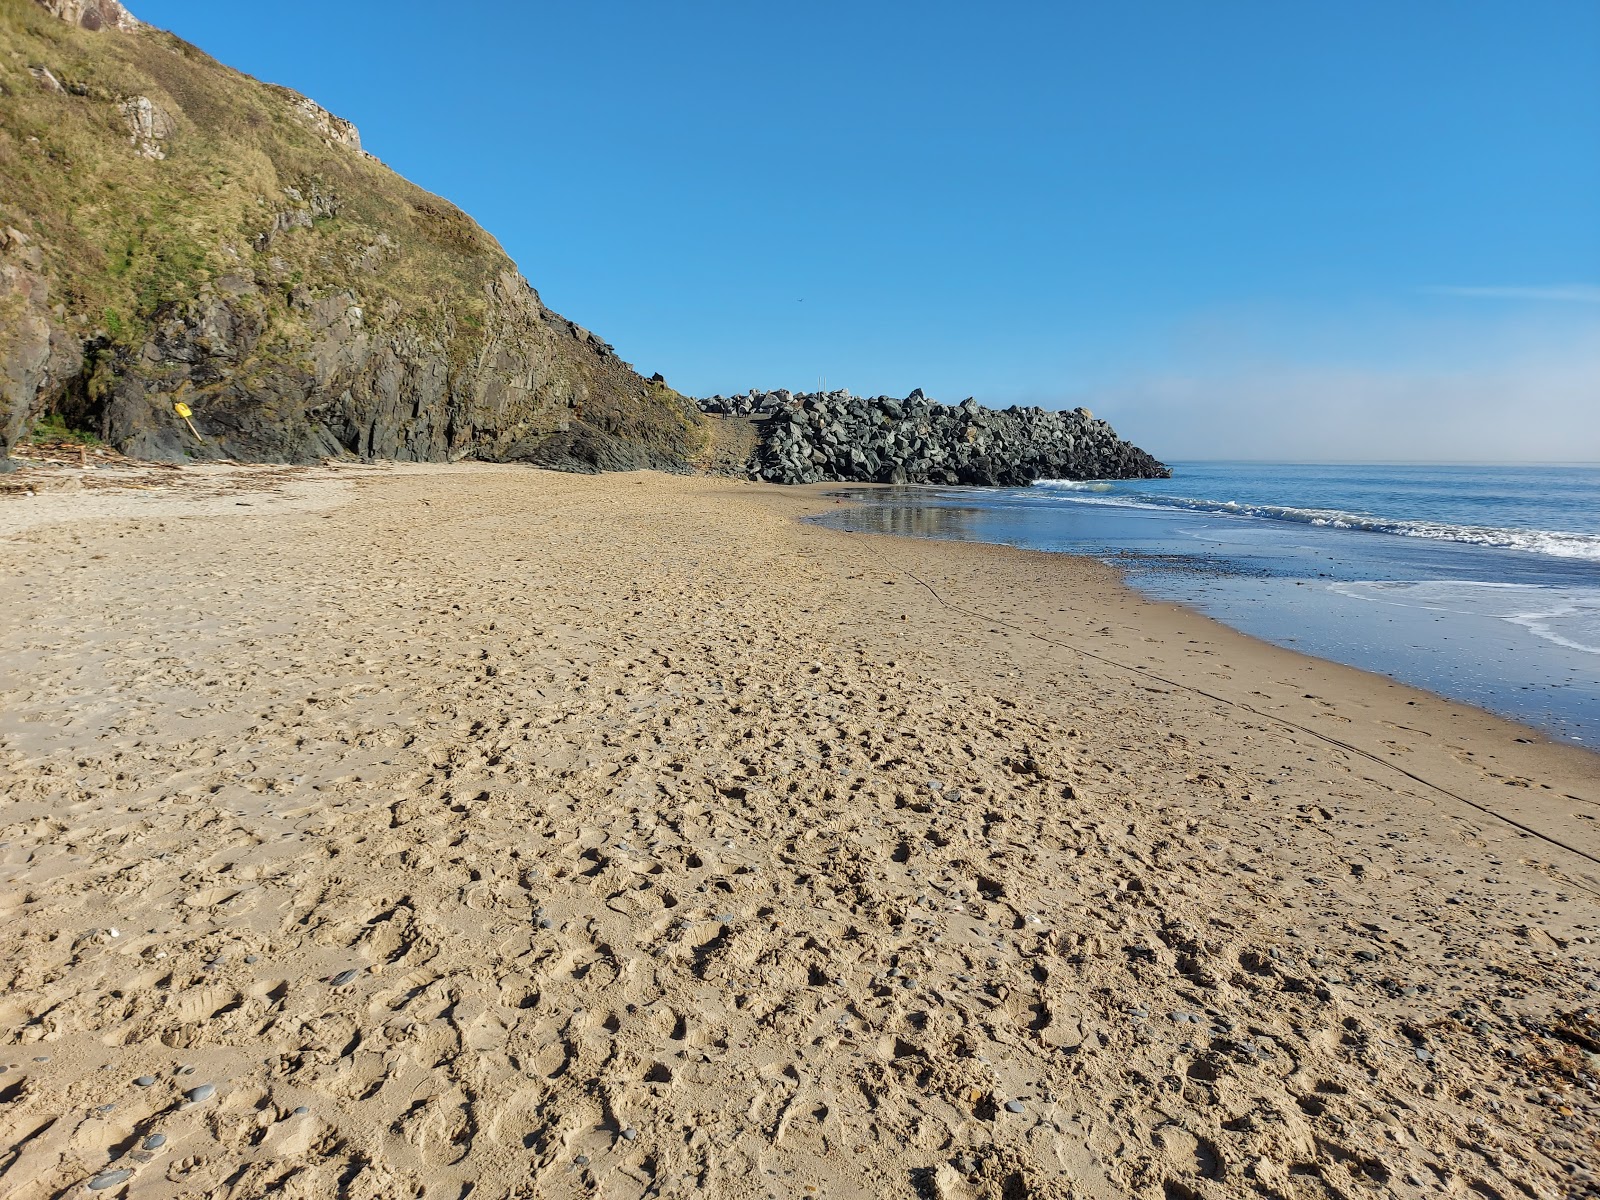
834	436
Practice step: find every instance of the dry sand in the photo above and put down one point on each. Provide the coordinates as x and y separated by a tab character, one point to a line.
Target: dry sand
485	832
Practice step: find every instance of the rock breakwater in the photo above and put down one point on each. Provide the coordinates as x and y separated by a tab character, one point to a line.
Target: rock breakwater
834	436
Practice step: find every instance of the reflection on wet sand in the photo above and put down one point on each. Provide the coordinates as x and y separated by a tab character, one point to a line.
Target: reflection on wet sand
909	512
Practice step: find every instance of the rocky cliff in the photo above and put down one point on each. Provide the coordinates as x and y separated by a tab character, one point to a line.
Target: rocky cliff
173	233
837	436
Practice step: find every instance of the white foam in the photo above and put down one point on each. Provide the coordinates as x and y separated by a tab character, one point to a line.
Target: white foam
1077	485
1567	616
1552	542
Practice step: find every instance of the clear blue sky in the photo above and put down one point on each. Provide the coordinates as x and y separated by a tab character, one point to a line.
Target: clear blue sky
1255	228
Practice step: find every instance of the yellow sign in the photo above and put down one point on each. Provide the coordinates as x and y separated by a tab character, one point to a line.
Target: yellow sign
182	409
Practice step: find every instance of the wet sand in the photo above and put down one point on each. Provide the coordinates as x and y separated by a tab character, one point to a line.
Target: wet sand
485	831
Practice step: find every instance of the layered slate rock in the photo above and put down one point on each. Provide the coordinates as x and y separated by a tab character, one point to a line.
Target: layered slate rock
173	232
834	436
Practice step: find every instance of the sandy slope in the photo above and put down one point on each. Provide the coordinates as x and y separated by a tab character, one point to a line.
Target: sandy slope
480	831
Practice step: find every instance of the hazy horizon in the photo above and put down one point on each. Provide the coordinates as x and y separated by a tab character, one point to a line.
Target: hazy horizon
1246	233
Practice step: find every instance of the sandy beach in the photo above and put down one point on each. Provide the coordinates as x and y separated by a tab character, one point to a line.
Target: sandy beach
481	831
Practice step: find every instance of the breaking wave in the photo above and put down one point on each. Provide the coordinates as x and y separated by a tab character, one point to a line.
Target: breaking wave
1568	617
1555	543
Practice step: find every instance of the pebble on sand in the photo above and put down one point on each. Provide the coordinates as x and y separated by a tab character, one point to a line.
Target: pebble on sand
204	1092
343	977
1014	1106
109	1179
154	1142
145	1081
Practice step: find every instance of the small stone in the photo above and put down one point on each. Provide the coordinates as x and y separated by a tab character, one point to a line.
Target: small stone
1014	1106
155	1141
252	958
343	977
630	1135
145	1081
301	1110
185	1070
110	1179
582	1160
41	1058
202	1093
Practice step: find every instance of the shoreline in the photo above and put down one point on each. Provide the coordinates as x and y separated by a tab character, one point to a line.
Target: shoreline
1458	719
630	835
1485	628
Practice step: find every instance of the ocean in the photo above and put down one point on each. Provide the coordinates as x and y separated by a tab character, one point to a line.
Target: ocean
1480	583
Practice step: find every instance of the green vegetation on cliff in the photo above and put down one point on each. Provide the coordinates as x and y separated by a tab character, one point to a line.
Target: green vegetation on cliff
174	231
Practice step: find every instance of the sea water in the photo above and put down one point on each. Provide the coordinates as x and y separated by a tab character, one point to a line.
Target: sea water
1481	583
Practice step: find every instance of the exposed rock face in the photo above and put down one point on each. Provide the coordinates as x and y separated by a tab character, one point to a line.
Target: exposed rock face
92	14
535	389
148	124
837	436
33	354
300	298
334	131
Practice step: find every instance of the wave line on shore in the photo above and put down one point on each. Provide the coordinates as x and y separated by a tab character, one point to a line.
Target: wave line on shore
1283	721
1555	543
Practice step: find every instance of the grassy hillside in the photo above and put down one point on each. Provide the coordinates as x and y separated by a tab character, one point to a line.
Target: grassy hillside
148	179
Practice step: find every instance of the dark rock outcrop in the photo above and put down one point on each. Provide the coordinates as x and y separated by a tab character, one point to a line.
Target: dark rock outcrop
36	357
835	436
536	388
174	233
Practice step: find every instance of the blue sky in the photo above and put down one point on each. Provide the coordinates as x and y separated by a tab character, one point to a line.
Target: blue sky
1369	230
